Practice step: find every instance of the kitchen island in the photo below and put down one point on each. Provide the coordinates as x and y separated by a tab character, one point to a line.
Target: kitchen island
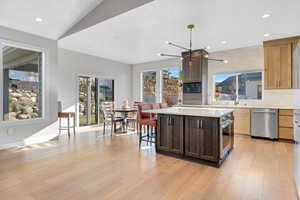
203	134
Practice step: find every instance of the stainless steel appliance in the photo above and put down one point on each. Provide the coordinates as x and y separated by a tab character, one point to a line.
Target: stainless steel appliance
227	138
297	149
264	123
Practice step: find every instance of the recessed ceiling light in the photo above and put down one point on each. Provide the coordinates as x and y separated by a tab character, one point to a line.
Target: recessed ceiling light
266	34
208	47
38	19
224	42
265	16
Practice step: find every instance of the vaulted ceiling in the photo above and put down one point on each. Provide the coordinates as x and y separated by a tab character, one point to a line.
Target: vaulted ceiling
58	16
134	31
138	35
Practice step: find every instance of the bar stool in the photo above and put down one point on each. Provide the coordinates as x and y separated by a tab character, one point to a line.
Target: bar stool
146	120
68	116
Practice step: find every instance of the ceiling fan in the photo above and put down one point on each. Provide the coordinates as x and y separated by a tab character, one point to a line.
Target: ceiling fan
189	49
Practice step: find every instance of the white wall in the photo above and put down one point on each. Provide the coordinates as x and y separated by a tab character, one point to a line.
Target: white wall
72	64
297	100
240	60
60	77
12	133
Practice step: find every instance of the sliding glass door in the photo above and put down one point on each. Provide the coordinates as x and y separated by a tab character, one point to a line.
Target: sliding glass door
92	92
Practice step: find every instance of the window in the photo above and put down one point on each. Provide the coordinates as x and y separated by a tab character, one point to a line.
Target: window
170	86
149	87
240	86
22	83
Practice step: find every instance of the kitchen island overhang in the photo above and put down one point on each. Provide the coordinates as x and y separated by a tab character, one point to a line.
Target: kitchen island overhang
204	134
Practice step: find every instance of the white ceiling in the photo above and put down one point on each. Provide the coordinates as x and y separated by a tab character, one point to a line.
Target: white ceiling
138	35
58	16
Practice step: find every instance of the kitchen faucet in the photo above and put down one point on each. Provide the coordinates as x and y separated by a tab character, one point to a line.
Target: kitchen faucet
236	101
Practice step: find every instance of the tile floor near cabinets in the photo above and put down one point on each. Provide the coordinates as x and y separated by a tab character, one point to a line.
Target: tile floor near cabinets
90	166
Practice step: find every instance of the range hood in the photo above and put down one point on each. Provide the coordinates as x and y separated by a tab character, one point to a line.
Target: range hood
195	73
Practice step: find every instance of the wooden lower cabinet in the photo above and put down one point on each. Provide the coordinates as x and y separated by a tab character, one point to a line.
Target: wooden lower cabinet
163	133
286	133
286	123
170	133
201	138
242	123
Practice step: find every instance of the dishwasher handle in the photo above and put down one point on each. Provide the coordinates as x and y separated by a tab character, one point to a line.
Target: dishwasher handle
256	111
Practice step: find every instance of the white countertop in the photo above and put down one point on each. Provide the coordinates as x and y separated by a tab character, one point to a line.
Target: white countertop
238	106
192	111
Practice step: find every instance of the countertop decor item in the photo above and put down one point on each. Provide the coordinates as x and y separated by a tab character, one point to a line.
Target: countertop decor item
125	104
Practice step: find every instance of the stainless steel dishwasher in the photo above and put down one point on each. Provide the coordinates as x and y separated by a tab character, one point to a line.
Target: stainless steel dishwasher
264	123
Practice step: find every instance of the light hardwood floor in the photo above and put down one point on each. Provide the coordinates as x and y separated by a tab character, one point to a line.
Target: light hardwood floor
89	167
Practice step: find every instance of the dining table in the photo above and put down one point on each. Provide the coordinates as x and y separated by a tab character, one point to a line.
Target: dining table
125	113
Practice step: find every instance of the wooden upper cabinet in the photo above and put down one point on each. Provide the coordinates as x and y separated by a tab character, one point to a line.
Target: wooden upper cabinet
278	64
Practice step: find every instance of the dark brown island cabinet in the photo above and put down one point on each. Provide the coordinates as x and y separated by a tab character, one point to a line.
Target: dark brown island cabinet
200	138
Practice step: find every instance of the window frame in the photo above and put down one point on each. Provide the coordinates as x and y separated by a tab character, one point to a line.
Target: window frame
159	84
236	91
24	46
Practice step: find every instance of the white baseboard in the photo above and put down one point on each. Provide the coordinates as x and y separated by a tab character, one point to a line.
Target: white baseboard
11	145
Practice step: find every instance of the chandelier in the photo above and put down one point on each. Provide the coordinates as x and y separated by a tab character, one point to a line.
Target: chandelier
188	56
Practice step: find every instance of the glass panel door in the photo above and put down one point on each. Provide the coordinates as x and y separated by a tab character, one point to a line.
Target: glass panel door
106	92
83	101
93	91
94	101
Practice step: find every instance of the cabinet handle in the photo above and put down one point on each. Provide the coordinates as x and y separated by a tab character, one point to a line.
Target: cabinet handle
170	121
199	123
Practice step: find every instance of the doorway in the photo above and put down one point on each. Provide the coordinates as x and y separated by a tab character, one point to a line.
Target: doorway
92	92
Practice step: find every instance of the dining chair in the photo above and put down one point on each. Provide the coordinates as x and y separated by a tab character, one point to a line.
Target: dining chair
107	108
133	117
